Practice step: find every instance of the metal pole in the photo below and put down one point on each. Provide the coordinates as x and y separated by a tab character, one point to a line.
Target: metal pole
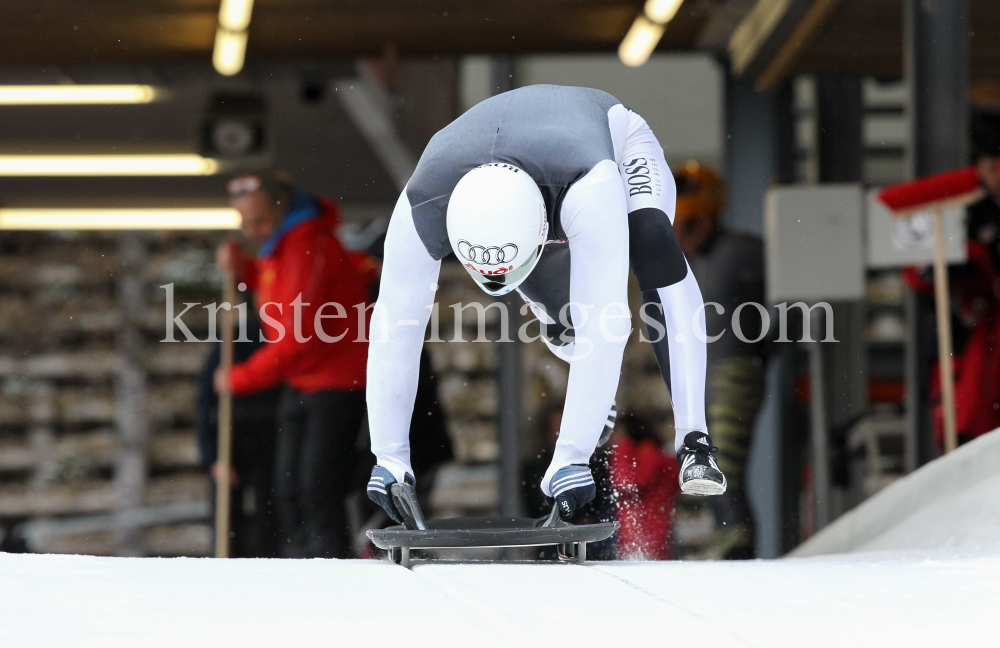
936	60
818	415
223	491
131	414
509	371
841	146
509	417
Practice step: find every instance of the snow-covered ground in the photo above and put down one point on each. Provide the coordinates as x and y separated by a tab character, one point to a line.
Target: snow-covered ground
867	599
929	577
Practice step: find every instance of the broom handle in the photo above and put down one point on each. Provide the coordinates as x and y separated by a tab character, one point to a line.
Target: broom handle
942	302
222	486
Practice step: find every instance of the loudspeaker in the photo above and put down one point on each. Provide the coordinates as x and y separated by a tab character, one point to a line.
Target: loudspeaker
234	127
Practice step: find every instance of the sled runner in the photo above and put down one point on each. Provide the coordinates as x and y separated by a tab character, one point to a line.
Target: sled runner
570	539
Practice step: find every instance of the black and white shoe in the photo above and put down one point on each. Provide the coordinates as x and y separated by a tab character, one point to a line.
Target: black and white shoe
699	474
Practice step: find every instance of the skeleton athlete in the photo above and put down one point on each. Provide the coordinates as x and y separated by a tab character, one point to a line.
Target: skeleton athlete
553	192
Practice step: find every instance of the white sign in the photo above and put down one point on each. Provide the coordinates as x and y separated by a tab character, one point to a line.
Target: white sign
813	243
896	242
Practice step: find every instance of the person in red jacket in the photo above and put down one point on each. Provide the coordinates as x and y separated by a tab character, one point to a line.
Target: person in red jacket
644	479
311	295
975	287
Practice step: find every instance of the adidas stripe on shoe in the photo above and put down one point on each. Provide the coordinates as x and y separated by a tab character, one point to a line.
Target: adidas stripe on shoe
699	473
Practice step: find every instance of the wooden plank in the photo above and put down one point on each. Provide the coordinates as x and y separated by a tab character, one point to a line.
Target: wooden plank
22	501
98	449
18	500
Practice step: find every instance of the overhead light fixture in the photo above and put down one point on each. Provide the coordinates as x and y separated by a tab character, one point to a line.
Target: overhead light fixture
27	95
230	49
231	36
639	42
107	165
234	15
662	11
646	31
193	218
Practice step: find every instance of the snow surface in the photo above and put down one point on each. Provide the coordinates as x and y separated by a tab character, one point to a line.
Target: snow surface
967	522
927	574
867	599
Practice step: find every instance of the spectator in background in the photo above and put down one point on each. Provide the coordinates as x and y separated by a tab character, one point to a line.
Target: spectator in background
644	481
975	287
317	350
729	267
983	222
253	524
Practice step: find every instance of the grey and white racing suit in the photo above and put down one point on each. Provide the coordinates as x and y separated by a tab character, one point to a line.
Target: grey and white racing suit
610	201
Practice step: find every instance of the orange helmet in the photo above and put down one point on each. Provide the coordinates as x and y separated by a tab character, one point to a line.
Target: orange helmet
700	191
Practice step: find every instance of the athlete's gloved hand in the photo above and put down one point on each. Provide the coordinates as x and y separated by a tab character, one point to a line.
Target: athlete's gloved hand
572	486
379	491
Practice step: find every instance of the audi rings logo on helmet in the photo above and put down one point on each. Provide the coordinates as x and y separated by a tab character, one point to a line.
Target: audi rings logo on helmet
493	255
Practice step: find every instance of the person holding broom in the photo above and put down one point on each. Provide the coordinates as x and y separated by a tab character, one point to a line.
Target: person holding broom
307	287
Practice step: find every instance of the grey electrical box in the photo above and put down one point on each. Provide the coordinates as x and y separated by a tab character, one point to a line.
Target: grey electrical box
813	238
896	242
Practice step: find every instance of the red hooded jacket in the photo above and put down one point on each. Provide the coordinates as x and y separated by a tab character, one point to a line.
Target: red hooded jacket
309	270
977	367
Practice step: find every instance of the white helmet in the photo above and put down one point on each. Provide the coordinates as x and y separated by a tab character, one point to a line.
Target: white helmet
497	225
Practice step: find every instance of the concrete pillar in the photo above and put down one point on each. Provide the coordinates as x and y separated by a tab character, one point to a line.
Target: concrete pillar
752	154
759	152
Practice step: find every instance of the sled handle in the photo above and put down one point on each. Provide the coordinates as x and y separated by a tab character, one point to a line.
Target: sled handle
554	518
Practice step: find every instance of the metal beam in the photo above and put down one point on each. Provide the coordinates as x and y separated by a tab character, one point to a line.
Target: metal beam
370	109
780	66
773	35
936	52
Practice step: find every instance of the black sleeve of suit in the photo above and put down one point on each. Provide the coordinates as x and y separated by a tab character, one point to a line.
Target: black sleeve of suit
654	252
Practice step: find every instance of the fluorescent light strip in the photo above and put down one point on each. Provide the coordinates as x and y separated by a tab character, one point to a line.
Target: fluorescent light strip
639	42
230	50
76	94
234	15
662	11
195	218
107	165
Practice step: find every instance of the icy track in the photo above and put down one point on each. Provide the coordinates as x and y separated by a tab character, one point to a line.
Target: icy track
871	599
917	565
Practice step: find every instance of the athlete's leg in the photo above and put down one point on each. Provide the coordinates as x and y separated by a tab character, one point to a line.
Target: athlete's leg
399	320
663	273
594	218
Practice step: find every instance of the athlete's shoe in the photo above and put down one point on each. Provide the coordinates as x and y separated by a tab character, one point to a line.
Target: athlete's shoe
398	500
699	474
609	425
572	486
